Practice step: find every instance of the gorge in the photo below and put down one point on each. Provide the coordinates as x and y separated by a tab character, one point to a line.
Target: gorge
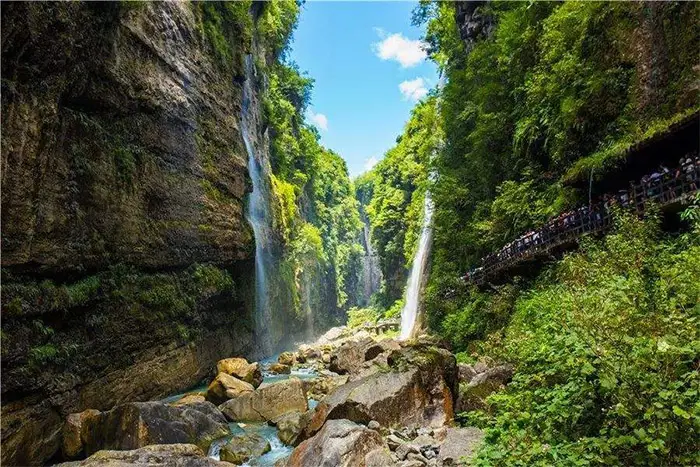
191	277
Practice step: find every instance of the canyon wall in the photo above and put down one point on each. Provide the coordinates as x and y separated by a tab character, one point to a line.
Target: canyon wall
127	263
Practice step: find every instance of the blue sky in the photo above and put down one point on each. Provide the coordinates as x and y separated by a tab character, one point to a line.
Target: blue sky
369	70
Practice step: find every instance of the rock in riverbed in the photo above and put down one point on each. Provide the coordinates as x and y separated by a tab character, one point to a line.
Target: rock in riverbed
138	424
340	443
242	448
225	386
241	369
290	425
155	455
268	402
417	389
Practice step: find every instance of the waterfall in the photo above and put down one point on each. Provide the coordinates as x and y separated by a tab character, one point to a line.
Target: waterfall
258	215
409	314
371	273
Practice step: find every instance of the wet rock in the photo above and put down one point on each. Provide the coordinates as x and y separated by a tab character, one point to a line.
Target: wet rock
459	446
225	387
241	448
287	358
73	433
340	443
241	369
417	390
160	455
192	398
290	425
279	369
267	402
138	424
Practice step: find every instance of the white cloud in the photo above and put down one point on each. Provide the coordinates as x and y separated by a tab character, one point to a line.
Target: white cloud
319	120
370	163
414	90
407	52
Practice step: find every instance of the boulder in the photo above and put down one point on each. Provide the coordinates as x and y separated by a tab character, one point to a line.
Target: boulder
287	358
138	424
331	335
241	448
73	433
317	388
279	369
191	398
156	455
340	443
417	390
306	353
268	402
241	369
460	446
353	356
225	386
290	425
466	372
472	395
379	457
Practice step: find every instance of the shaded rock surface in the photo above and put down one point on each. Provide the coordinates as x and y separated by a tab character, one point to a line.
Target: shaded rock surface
340	443
158	455
138	424
479	381
268	402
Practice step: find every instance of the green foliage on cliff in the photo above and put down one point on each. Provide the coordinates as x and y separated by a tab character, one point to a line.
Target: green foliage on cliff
393	193
605	347
316	213
605	342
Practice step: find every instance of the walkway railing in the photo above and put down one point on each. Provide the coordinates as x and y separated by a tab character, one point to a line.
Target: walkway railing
662	189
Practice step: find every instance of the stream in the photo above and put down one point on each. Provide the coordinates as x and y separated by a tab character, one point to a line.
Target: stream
278	448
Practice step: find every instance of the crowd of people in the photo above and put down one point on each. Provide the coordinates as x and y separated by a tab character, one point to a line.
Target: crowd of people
662	185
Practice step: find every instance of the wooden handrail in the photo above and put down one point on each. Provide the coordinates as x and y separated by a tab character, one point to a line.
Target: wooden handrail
663	190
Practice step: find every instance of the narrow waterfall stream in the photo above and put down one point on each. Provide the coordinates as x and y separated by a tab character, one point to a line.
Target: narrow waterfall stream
409	314
258	215
371	273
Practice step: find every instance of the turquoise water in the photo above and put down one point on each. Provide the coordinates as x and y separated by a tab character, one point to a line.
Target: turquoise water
279	449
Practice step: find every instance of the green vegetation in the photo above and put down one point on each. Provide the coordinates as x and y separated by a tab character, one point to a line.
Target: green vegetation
315	211
605	342
394	193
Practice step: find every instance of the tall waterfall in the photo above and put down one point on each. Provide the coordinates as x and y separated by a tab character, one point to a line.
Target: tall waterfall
371	273
258	215
409	314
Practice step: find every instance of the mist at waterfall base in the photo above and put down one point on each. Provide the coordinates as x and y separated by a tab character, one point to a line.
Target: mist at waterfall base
409	314
258	215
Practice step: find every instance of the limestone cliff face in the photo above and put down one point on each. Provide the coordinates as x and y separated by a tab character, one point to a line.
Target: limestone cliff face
127	261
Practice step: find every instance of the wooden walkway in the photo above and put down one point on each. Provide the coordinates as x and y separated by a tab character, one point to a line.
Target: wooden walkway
663	190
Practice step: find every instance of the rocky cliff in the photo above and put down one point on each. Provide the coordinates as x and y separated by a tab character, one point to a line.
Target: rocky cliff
125	249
